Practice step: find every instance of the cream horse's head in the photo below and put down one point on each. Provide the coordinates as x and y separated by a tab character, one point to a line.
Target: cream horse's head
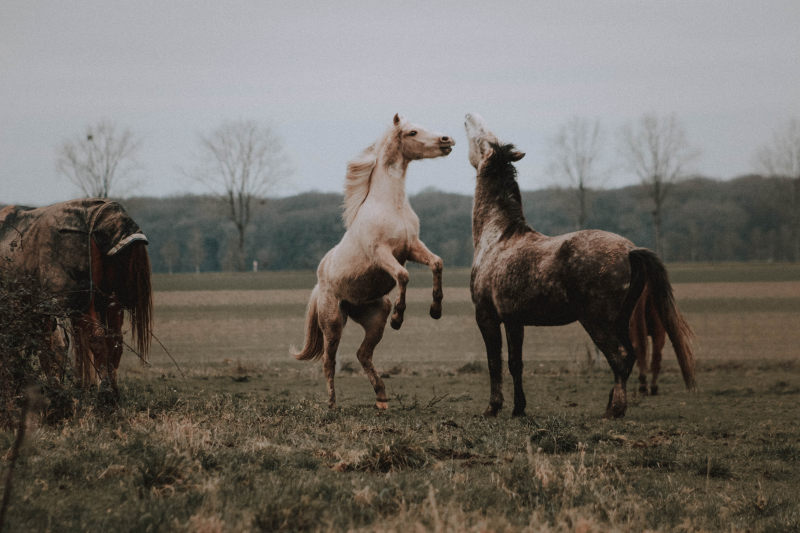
418	143
481	140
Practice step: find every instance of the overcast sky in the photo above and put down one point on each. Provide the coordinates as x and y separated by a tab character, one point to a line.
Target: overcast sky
328	77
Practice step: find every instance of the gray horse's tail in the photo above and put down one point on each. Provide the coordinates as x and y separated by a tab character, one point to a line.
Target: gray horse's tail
646	262
313	347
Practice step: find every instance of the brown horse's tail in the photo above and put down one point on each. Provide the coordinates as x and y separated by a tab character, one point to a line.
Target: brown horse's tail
660	293
313	347
136	295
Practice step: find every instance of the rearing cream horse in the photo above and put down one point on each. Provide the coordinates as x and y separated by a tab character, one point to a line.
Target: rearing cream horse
355	277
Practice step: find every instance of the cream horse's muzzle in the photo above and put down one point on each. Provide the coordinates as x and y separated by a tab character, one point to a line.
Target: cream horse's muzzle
446	144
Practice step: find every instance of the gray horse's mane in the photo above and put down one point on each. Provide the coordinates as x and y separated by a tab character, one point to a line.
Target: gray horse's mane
359	175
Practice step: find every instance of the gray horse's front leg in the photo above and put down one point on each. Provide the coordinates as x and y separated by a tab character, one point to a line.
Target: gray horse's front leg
514	337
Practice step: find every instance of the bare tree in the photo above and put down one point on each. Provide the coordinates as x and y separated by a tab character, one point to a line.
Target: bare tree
655	149
101	162
781	158
575	154
241	161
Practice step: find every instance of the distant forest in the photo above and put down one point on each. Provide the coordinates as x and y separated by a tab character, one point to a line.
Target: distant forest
744	219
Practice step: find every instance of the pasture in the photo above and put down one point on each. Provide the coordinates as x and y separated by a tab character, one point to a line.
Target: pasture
240	438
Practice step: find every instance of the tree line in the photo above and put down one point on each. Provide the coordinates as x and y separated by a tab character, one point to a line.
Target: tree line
241	161
745	219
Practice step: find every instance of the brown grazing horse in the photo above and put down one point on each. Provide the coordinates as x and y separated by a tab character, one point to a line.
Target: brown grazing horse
92	258
354	277
521	277
646	323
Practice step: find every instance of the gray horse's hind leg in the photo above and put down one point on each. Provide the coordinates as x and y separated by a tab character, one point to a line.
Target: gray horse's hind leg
372	317
621	364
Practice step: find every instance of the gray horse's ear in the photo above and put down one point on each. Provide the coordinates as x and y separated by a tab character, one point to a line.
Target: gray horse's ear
516	155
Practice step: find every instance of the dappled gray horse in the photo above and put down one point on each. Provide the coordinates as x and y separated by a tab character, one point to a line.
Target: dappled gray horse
521	277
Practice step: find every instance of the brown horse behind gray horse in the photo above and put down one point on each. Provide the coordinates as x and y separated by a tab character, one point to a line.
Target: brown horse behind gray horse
521	277
92	258
645	322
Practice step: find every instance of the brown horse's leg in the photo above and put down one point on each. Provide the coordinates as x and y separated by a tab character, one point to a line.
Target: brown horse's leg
638	336
98	343
84	366
514	337
659	337
421	254
388	262
490	329
51	357
372	318
114	317
331	321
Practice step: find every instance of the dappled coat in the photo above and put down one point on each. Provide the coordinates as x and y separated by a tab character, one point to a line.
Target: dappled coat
52	244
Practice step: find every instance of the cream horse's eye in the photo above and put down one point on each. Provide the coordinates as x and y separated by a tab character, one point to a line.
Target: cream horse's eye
412	133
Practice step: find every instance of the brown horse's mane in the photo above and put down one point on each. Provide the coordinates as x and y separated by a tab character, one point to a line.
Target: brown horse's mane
359	173
136	294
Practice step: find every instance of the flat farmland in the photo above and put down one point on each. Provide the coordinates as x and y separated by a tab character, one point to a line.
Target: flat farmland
207	324
229	433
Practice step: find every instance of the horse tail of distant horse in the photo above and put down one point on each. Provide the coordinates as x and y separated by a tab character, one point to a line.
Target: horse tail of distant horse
313	348
646	264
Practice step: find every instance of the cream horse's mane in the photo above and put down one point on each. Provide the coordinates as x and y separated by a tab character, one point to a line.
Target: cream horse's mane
359	174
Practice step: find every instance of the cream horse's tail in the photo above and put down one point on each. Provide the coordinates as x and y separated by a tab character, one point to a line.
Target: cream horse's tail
313	348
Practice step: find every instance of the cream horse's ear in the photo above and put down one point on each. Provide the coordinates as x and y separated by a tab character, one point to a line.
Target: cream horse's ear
398	119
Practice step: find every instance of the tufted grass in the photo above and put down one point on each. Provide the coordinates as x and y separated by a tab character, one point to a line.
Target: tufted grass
246	443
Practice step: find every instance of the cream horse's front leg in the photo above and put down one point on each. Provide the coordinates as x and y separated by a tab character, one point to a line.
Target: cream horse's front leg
421	254
387	261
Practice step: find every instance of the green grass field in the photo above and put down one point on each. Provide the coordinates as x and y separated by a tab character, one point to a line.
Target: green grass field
245	441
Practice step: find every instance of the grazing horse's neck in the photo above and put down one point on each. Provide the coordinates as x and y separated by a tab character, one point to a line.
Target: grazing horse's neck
498	203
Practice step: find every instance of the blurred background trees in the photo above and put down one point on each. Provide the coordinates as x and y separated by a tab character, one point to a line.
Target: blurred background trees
575	154
750	218
101	161
781	158
655	149
241	162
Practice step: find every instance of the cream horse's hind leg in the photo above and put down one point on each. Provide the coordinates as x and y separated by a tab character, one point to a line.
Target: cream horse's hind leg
372	317
331	321
387	261
421	254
